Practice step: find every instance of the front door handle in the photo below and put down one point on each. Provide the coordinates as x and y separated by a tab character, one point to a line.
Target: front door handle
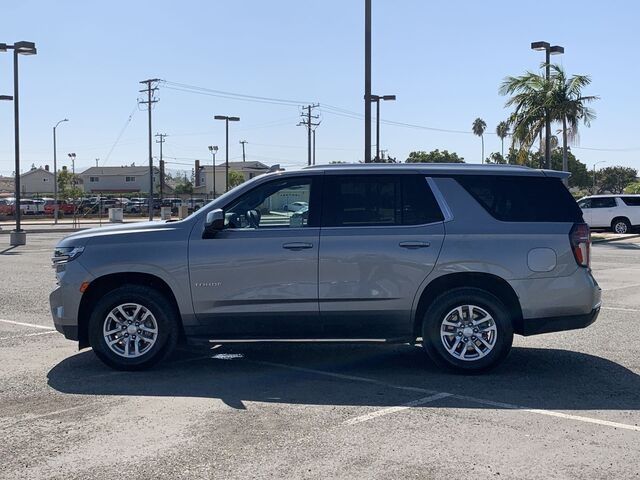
297	245
414	244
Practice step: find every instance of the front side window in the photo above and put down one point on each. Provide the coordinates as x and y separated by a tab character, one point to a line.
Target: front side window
585	203
378	200
267	206
604	202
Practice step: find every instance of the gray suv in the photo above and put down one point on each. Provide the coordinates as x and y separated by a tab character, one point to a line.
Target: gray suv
455	257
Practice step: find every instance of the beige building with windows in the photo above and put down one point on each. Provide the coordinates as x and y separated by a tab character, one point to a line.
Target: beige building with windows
204	178
37	181
119	180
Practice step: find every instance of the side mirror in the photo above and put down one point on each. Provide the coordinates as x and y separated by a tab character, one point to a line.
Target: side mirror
214	222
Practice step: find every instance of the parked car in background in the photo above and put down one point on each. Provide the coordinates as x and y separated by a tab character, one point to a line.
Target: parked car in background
64	208
295	206
620	213
136	206
457	258
7	206
29	206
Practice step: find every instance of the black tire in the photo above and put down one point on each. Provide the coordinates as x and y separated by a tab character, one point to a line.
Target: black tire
166	317
438	311
621	225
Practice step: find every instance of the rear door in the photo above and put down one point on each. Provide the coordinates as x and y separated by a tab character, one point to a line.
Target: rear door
381	236
603	211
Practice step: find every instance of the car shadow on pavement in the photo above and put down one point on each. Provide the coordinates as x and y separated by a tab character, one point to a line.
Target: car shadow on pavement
360	375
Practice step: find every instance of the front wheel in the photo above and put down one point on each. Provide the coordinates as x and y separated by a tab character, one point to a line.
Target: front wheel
133	327
467	330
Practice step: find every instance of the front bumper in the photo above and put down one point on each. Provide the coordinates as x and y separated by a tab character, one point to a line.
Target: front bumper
65	300
536	326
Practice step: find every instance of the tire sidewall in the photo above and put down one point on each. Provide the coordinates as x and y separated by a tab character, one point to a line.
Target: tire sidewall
624	222
161	309
446	302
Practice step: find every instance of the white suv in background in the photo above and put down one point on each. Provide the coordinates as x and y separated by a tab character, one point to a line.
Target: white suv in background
620	213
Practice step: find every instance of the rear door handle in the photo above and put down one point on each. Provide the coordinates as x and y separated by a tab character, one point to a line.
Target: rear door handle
414	244
297	245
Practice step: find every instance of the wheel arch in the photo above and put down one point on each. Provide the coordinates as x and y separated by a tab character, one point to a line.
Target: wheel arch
485	281
106	283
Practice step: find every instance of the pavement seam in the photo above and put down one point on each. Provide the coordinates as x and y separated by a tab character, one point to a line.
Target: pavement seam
32	325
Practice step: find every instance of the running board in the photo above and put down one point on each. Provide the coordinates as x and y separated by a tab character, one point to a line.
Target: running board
210	341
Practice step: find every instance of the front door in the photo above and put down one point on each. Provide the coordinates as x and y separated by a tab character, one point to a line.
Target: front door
381	236
258	277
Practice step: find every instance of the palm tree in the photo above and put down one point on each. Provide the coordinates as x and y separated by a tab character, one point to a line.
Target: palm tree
568	105
502	130
529	94
479	126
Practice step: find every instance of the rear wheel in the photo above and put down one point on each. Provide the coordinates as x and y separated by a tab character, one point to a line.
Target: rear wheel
621	225
467	330
133	327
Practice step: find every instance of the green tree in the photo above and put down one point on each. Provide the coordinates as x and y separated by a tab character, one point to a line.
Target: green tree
68	184
435	156
183	186
580	176
502	130
633	188
615	179
569	106
497	158
235	178
478	128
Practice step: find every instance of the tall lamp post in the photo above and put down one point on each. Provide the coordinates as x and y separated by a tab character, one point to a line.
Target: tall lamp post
18	236
549	50
376	99
213	149
227	119
594	174
55	172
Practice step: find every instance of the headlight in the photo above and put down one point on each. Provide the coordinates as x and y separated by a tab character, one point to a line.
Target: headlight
63	255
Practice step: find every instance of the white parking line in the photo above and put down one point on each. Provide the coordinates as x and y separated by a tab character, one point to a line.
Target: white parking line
549	413
635	285
389	410
622	309
28	335
33	325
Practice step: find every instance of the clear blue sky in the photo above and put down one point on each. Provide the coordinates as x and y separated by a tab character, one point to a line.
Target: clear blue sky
444	61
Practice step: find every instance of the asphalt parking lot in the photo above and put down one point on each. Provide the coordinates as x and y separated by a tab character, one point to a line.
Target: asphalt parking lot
563	405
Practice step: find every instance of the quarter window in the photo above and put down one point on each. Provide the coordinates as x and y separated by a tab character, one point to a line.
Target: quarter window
631	201
378	200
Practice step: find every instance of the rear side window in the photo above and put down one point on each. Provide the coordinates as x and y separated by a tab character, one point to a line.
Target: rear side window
378	200
522	199
603	202
631	201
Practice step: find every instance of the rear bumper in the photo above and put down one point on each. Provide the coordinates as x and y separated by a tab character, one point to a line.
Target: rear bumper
535	326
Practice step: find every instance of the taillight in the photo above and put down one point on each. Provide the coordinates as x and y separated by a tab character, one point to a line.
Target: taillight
581	243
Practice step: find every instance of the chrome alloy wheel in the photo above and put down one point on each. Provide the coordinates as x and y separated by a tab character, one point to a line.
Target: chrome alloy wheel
130	330
620	227
468	333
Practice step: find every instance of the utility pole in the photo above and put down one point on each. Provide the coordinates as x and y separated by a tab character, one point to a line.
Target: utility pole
367	81
307	121
314	146
243	142
150	90
97	160
161	140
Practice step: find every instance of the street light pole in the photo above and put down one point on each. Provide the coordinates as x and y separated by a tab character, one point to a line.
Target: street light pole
55	172
18	236
376	99
367	81
213	149
549	50
226	119
594	174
